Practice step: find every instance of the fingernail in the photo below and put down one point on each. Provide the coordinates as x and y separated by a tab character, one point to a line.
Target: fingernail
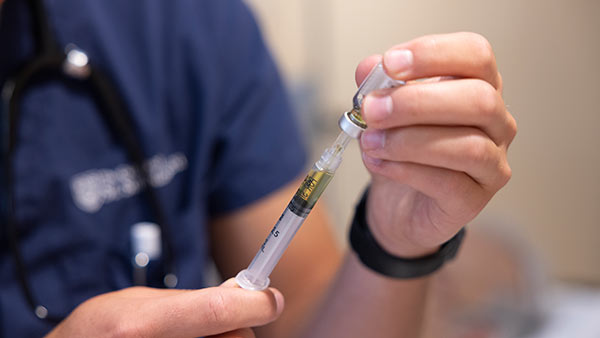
397	61
377	107
371	160
372	139
279	301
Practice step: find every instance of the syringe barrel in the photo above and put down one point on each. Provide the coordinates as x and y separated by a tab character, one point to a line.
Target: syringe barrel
377	79
256	276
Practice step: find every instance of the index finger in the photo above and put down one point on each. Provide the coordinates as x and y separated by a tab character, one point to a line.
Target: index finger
467	55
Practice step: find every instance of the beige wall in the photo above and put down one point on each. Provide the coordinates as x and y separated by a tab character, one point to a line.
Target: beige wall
548	52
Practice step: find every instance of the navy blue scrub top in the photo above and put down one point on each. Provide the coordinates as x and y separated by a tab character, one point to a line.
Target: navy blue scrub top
209	106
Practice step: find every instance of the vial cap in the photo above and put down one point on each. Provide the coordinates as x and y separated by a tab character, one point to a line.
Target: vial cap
349	126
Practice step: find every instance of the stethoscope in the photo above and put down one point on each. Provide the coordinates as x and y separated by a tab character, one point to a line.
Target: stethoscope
73	65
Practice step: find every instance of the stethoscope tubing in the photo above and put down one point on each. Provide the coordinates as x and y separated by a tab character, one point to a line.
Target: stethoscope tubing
50	60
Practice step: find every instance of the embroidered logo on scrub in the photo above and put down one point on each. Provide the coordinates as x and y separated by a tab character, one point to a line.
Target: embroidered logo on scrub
94	188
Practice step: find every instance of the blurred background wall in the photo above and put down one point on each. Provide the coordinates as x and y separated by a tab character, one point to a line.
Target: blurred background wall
548	54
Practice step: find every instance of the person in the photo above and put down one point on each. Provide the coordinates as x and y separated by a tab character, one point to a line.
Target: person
210	110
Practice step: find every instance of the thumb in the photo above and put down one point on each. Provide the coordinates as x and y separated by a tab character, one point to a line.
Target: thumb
241	333
364	67
230	283
216	310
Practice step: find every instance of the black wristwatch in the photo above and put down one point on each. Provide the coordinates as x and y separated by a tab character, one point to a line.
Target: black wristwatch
372	255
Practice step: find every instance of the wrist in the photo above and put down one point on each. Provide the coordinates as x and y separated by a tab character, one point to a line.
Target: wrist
396	246
374	256
390	236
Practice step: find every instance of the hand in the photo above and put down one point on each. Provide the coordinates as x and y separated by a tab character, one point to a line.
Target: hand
223	311
436	149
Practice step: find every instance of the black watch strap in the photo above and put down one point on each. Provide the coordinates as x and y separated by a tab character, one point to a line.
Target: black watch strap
372	255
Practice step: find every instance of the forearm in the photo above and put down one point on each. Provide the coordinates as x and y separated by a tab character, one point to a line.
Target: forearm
361	303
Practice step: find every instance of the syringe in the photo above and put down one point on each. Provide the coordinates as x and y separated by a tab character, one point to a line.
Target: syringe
256	276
